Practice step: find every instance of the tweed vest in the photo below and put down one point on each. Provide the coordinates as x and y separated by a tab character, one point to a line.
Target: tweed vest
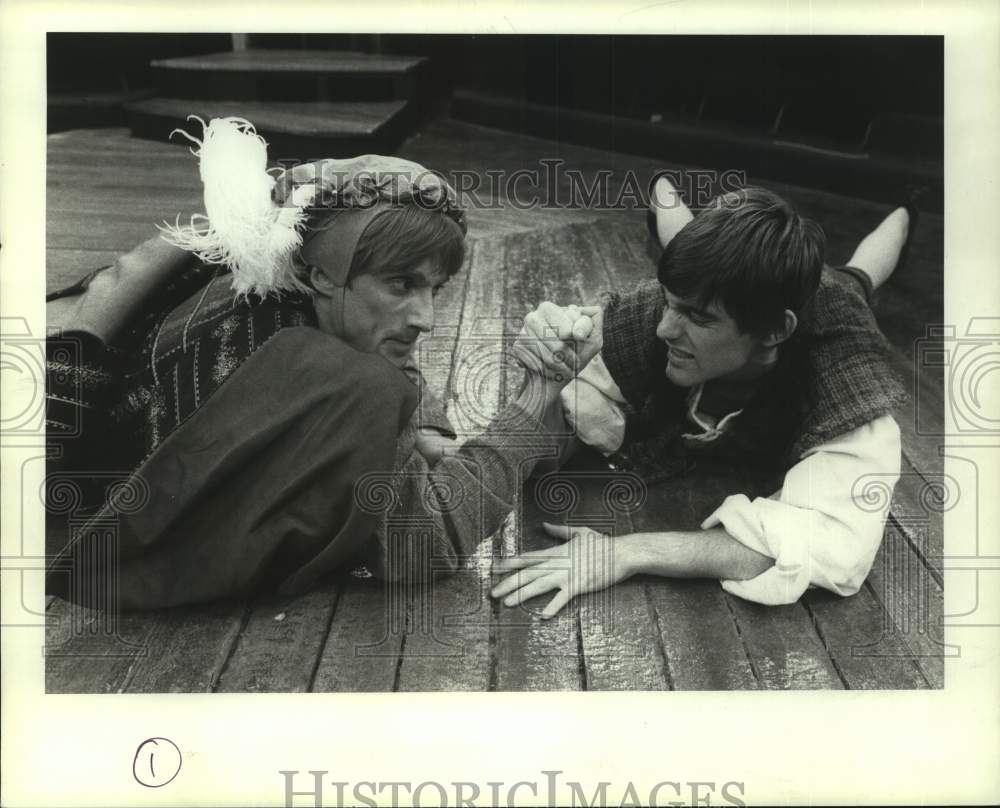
834	375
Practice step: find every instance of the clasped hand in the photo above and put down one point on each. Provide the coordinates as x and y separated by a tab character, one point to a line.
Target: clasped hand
557	342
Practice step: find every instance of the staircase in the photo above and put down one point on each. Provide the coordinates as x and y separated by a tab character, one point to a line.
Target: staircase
305	103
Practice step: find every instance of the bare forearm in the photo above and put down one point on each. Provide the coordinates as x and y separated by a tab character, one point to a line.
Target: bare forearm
692	554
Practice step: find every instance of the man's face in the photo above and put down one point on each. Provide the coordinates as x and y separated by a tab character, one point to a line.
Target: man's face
705	344
385	312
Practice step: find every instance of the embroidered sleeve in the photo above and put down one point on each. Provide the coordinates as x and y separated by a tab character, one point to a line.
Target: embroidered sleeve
817	528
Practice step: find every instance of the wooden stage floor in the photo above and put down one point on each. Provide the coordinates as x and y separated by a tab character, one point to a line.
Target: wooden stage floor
105	191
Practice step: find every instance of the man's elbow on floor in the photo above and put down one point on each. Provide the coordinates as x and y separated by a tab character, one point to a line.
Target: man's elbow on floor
845	570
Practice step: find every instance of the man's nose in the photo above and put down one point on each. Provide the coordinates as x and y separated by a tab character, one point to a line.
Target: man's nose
670	326
421	310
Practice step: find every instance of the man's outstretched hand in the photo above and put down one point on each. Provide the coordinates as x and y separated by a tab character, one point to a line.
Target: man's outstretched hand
588	562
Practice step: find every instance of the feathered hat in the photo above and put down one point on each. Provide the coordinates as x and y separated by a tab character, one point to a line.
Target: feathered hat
264	224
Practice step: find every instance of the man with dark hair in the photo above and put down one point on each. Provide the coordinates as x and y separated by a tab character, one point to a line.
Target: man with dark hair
746	349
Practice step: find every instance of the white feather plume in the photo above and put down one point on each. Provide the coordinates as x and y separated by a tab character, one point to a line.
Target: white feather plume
244	229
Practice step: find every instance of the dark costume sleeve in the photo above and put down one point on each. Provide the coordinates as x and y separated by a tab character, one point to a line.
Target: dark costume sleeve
439	514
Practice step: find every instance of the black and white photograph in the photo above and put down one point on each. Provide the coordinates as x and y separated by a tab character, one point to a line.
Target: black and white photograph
500	361
484	363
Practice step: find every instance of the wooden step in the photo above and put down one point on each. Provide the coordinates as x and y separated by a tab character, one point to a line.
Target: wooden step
293	75
299	130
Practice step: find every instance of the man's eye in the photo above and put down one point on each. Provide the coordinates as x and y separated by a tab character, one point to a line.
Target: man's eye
401	284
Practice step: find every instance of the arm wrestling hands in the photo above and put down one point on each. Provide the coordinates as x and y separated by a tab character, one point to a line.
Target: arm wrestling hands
554	345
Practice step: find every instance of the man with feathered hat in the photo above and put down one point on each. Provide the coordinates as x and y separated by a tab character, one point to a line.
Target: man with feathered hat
250	372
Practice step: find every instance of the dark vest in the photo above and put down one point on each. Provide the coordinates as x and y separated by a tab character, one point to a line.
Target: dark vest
834	375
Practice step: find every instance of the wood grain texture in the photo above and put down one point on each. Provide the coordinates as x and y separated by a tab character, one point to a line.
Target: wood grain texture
913	603
106	190
363	647
277	650
700	636
784	648
853	633
188	649
81	656
448	647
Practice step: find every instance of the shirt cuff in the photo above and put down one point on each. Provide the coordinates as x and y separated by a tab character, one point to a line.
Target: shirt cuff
594	418
767	533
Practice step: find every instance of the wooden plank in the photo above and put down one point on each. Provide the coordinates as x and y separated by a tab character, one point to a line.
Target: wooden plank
189	649
913	604
849	627
448	646
616	243
276	60
701	641
557	265
435	352
477	382
917	509
82	658
111	152
484	221
309	118
780	643
622	649
103	145
533	654
699	636
277	650
119	236
161	186
921	419
620	644
366	636
175	173
784	648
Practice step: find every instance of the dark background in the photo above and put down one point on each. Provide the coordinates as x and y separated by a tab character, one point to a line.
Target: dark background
855	114
632	76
